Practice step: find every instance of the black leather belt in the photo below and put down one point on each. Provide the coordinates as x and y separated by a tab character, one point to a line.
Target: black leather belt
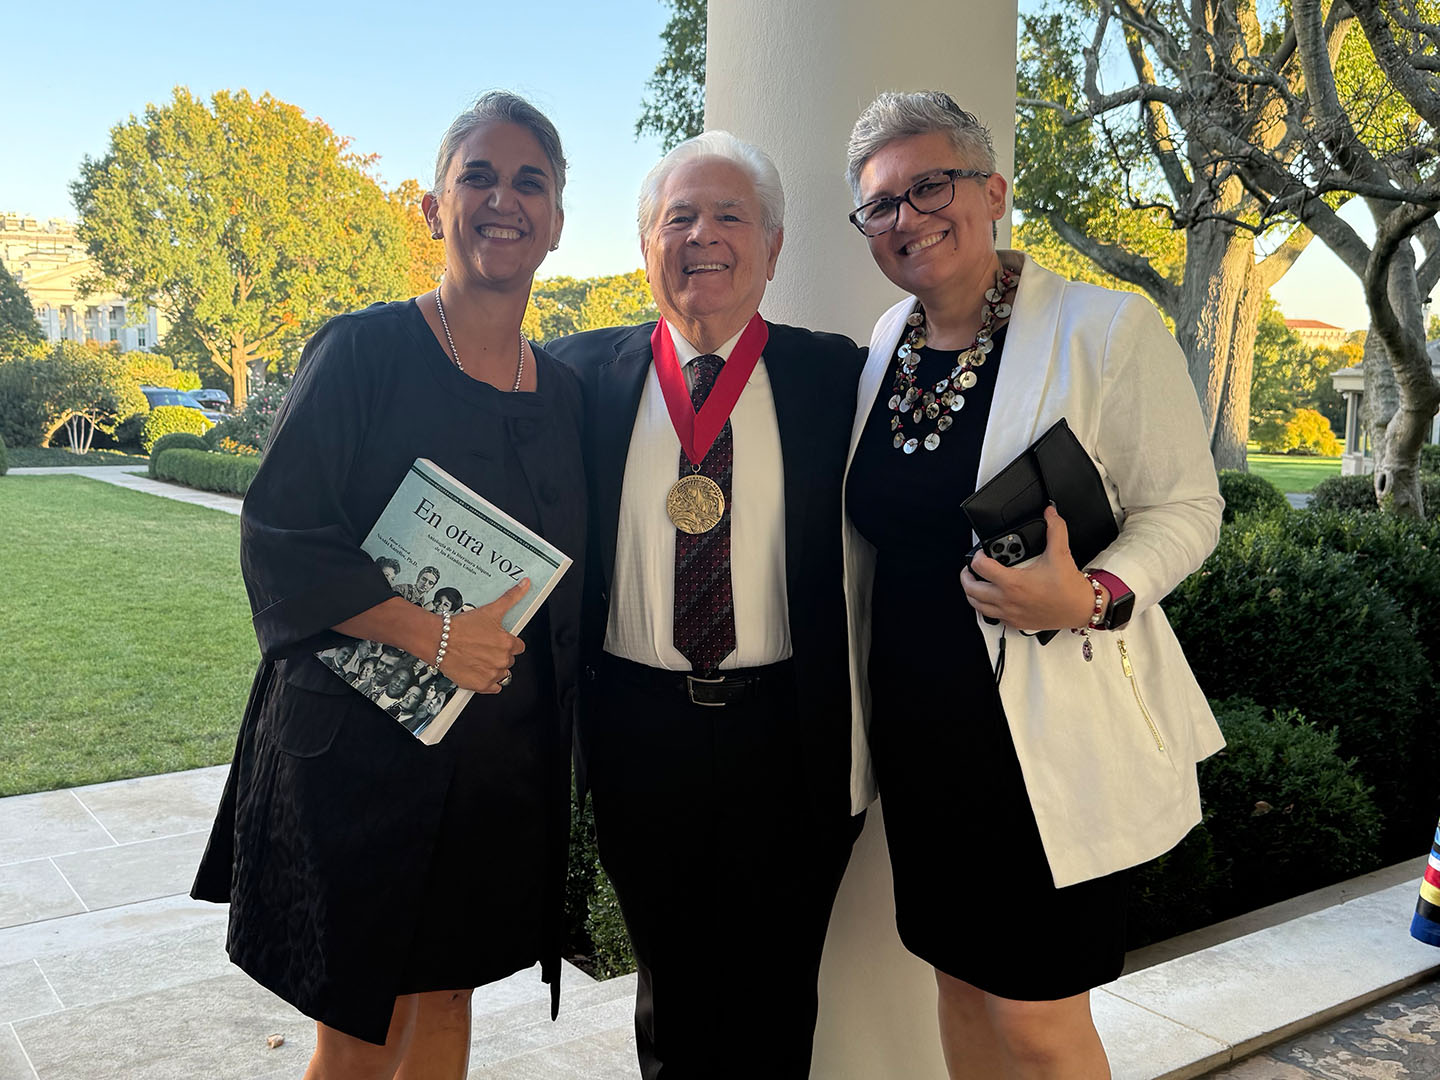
724	688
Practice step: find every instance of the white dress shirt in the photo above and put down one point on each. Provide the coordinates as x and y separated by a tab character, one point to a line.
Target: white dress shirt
642	593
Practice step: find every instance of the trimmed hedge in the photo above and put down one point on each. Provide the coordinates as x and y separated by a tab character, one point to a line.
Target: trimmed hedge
176	440
1430	458
1284	812
1300	627
1248	493
1284	807
1358	493
165	419
206	470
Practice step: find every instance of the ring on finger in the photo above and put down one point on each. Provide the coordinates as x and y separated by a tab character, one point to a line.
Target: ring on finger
506	680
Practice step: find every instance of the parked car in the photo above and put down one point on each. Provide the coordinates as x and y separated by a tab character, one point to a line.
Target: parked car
163	395
212	398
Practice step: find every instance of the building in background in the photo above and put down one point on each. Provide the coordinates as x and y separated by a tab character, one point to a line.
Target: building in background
1350	382
1317	334
49	261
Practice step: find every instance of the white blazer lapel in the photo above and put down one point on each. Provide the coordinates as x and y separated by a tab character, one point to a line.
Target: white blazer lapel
1026	371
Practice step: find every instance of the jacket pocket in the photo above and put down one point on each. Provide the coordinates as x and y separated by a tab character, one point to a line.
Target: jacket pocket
1128	667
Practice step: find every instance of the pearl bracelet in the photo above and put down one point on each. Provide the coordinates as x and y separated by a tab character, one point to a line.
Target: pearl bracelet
1098	615
444	643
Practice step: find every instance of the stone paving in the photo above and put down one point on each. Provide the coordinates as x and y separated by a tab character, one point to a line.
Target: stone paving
108	971
1396	1039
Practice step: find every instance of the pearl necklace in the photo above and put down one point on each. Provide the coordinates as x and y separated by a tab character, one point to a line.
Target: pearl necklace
908	402
455	353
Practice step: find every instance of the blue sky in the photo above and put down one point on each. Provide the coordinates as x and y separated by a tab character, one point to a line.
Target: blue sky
392	84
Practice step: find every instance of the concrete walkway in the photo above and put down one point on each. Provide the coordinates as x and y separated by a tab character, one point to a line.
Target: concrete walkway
121	476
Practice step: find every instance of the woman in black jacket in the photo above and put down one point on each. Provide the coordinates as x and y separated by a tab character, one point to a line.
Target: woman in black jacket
374	880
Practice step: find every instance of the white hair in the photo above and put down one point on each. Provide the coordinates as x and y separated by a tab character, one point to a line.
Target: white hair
717	144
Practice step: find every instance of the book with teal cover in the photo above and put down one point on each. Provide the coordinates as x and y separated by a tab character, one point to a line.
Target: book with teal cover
445	548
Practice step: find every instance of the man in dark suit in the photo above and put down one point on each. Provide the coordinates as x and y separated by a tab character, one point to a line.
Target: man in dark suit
714	724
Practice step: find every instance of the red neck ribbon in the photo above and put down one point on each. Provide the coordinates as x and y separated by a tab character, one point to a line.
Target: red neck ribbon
697	431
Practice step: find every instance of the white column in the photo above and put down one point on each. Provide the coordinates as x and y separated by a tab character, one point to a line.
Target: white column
792	76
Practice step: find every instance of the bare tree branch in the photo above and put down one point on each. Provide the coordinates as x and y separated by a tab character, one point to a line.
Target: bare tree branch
1123	264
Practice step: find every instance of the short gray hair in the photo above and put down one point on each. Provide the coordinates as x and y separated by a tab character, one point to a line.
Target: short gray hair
501	106
895	115
717	144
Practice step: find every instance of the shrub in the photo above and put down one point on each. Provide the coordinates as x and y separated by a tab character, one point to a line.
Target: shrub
83	388
1430	458
1358	493
1344	493
175	440
1284	810
152	369
1269	435
230	446
251	425
167	419
206	470
1308	432
613	955
1292	626
1247	493
1174	893
4	464
1399	555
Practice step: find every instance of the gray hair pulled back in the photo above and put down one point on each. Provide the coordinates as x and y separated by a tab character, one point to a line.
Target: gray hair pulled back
717	144
894	115
501	106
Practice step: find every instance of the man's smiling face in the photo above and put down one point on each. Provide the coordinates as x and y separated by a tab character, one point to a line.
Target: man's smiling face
708	255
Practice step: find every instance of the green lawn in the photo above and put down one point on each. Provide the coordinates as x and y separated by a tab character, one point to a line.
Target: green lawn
1293	474
22	457
127	634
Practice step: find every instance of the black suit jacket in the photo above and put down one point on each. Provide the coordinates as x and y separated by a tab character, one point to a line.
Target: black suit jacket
813	377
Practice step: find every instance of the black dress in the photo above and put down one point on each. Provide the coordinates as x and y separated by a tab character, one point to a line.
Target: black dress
973	892
359	863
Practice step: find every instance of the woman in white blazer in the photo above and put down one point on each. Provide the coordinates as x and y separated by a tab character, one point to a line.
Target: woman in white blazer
1019	780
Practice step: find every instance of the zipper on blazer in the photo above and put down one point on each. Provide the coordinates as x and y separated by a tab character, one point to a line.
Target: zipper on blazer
1135	685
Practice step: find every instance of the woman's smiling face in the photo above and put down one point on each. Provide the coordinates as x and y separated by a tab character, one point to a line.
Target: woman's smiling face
924	253
497	210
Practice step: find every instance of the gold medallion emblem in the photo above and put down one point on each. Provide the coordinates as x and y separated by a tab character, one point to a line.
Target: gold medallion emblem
695	504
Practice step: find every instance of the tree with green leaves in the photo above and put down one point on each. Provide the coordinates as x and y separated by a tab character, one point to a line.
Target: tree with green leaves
1250	134
674	109
19	329
1123	175
81	388
566	305
246	222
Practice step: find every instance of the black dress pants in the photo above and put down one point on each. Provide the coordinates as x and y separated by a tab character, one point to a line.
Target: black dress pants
724	871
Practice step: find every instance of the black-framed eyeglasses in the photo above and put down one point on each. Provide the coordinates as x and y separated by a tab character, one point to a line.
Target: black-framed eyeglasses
927	196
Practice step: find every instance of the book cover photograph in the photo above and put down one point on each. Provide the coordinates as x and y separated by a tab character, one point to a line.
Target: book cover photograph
447	549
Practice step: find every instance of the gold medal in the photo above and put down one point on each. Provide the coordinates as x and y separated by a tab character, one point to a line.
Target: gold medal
695	504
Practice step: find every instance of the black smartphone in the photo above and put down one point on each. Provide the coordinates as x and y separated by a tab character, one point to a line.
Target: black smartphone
1011	548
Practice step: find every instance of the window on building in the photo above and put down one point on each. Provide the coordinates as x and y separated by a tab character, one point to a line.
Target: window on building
140	337
114	334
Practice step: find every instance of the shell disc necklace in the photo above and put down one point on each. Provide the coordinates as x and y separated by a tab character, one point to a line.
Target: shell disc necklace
914	407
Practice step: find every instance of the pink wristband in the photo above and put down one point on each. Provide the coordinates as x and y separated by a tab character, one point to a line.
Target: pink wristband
1110	581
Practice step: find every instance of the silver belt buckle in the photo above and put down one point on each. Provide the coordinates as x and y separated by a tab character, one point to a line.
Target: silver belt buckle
691	680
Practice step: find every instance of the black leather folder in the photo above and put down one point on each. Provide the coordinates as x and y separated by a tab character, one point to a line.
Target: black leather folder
1008	511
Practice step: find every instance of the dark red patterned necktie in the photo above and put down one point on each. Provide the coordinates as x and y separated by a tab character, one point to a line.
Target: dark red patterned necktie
704	603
